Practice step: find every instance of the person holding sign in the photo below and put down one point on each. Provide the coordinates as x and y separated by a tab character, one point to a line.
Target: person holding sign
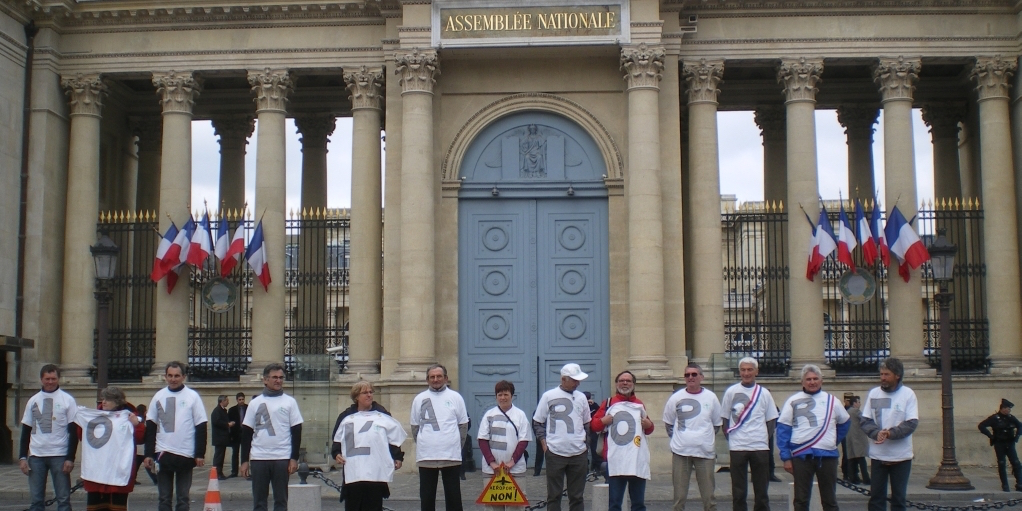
625	448
504	432
811	426
175	438
749	416
48	443
439	422
561	422
108	450
692	417
271	435
367	443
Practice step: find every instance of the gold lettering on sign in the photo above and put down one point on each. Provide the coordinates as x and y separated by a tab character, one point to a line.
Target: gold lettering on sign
596	20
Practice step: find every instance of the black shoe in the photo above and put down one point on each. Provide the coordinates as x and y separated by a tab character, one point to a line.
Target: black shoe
1018	487
855	481
222	478
866	481
1004	487
233	475
775	479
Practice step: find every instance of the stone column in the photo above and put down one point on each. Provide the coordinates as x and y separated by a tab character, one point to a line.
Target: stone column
643	66
707	282
78	318
1000	244
771	122
149	131
805	297
271	88
392	229
366	330
671	190
233	131
896	78
177	92
943	119
417	71
858	122
311	313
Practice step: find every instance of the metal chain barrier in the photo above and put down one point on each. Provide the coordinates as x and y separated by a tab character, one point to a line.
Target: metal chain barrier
330	482
590	478
937	507
53	501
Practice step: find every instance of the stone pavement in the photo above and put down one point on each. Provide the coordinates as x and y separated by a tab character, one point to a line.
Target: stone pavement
14	488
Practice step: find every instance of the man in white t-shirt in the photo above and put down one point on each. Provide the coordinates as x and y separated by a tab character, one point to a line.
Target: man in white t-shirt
561	424
749	416
271	437
439	423
626	444
175	438
49	440
889	418
504	432
811	426
692	416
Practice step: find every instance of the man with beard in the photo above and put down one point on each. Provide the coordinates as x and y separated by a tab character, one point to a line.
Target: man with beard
439	422
890	417
628	457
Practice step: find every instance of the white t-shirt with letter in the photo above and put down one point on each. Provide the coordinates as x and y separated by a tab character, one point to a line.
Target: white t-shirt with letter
496	429
888	409
49	414
627	445
271	419
813	419
176	414
749	430
438	415
365	439
108	446
693	417
565	415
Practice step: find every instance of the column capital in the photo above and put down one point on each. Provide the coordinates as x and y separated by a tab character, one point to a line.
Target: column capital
177	90
858	121
896	77
702	77
800	77
271	88
772	121
418	70
233	130
315	128
943	119
993	76
149	130
365	86
642	66
86	92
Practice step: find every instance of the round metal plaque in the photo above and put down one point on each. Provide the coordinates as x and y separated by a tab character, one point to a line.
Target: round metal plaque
219	295
857	287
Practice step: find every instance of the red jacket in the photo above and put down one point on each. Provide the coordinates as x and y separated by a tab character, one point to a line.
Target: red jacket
92	487
597	424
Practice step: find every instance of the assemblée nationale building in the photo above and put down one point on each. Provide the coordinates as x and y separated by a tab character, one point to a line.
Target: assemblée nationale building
551	180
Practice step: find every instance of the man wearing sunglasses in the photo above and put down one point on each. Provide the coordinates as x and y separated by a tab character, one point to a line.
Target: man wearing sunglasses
692	417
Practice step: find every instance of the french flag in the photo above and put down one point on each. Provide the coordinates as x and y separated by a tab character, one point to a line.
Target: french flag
845	240
172	277
256	256
177	254
906	246
233	252
201	244
881	241
821	244
869	245
159	271
223	241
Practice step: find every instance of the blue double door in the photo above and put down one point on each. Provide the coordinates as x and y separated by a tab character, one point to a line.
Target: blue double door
533	296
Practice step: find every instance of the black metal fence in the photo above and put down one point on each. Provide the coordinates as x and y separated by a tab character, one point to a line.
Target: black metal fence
220	338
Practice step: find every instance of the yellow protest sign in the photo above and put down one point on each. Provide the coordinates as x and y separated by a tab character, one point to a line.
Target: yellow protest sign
502	490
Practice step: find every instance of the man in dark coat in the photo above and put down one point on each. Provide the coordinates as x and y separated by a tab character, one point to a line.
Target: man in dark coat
1006	430
236	414
221	434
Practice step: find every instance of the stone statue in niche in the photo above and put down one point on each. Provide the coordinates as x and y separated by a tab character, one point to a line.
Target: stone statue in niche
532	154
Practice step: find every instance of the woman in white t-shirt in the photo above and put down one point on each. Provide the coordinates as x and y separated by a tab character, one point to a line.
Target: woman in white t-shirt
504	433
105	497
370	452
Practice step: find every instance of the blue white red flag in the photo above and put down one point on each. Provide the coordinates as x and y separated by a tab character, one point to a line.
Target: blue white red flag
821	245
223	240
845	240
177	254
201	243
906	246
256	256
234	251
881	238
159	271
172	277
866	240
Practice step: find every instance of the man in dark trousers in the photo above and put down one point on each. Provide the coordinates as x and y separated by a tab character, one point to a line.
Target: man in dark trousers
236	414
221	426
1006	430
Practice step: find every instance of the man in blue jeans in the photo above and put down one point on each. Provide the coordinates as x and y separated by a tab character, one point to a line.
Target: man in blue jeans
49	440
889	418
627	455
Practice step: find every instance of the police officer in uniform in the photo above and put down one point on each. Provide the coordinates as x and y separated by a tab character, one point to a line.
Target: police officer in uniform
1006	430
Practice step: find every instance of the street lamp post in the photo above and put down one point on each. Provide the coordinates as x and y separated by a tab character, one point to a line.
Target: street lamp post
104	254
942	259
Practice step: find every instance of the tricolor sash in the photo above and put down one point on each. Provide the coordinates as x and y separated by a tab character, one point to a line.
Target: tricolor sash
746	413
800	449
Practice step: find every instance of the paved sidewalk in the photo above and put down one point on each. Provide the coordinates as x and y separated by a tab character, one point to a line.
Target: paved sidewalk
14	488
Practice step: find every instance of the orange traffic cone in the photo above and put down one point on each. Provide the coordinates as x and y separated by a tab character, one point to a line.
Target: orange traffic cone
213	493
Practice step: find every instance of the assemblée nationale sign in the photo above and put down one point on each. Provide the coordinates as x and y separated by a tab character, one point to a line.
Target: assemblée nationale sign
469	24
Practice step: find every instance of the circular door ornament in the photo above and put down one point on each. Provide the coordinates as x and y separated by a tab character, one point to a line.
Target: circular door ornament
572	238
495	239
495	283
572	282
219	295
495	327
573	327
857	287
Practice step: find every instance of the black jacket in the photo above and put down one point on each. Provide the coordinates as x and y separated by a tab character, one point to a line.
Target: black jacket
218	422
1006	428
234	414
395	452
